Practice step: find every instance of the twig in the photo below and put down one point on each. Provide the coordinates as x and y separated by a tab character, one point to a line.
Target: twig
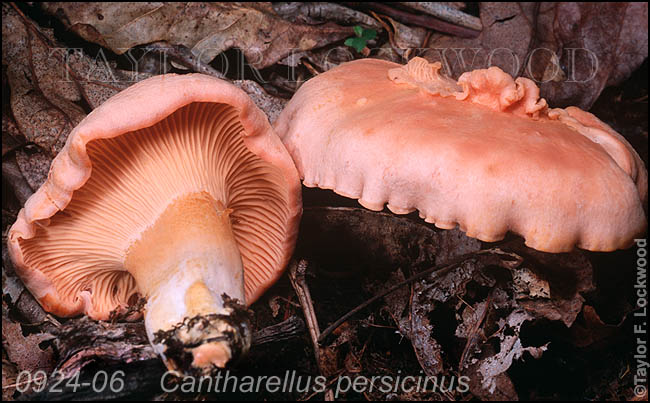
297	277
425	42
48	319
391	32
446	13
327	385
30	25
318	12
184	57
282	331
43	376
474	330
311	68
425	21
89	106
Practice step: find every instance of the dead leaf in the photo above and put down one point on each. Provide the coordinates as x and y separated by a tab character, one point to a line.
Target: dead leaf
51	88
598	45
572	50
439	297
50	84
528	284
569	276
9	378
590	329
487	356
25	350
43	120
323	59
505	41
12	287
208	29
34	167
396	302
19	299
274	304
492	369
15	178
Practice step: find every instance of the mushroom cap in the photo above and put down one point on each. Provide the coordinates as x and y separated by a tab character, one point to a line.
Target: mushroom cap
176	134
484	153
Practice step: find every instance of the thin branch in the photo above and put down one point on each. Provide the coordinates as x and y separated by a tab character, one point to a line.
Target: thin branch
391	32
446	13
474	330
184	57
297	276
425	21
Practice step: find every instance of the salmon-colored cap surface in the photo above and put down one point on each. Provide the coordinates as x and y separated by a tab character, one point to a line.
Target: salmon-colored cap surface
484	153
129	159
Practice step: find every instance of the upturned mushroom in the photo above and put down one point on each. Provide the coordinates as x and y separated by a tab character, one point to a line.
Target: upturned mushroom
484	153
178	190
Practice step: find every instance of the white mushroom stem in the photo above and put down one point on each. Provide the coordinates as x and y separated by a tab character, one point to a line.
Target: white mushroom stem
183	264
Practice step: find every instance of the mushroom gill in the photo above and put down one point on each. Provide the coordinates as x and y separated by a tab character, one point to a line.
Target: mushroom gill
139	178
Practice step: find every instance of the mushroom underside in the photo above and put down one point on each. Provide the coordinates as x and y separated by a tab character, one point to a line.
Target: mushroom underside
135	177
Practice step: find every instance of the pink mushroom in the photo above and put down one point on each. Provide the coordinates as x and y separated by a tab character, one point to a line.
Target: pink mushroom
484	153
176	189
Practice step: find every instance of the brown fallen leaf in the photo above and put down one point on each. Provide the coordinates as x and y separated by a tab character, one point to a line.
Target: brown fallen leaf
487	374
506	39
568	277
34	167
9	379
25	351
597	44
16	179
208	29
447	293
51	89
325	58
384	242
12	287
18	299
403	40
44	121
395	303
572	50
590	329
